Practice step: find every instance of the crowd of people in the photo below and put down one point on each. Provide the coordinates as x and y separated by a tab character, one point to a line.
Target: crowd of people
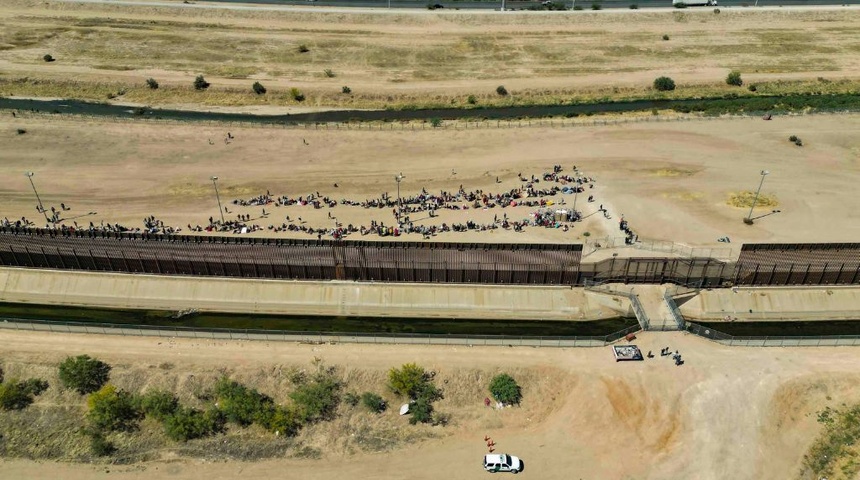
537	192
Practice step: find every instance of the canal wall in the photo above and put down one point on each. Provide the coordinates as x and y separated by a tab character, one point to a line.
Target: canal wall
772	304
288	297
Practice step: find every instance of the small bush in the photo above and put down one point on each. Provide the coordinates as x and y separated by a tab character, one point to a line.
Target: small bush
200	83
152	83
113	410
471	100
351	399
716	10
99	445
577	7
297	95
329	73
240	404
665	37
421	411
407	380
752	88
258	88
303	48
586	234
318	399
664	84
373	402
158	404
84	374
281	420
792	138
436	122
505	389
734	78
680	5
633	6
596	6
15	395
21	131
798	142
189	423
345	89
48	58
501	90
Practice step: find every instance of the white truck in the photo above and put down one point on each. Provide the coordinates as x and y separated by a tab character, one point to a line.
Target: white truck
694	3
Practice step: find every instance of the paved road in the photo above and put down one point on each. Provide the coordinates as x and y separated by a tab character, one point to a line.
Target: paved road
521	4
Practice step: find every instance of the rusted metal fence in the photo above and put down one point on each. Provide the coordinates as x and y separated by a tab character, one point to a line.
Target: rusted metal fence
798	264
424	262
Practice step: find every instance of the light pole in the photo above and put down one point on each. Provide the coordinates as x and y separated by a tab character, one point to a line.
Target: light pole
749	220
41	207
218	197
399	178
576	192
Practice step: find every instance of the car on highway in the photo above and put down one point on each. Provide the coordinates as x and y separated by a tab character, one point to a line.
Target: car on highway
502	462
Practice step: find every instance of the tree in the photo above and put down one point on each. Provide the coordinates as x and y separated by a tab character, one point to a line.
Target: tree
48	58
501	90
152	83
158	404
664	84
373	402
111	409
734	78
200	83
407	380
258	87
421	411
84	374
504	389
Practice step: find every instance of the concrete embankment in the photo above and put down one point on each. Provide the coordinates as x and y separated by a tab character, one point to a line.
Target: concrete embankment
127	291
772	304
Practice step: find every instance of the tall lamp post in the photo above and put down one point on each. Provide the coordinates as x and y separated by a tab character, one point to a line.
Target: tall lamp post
41	207
399	178
749	220
576	192
218	197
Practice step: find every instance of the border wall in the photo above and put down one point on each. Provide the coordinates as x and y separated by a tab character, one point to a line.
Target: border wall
418	262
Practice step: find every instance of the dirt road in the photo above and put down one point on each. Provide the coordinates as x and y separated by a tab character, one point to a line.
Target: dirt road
598	419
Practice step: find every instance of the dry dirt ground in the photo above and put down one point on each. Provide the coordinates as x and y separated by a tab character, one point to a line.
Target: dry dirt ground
730	412
409	57
670	180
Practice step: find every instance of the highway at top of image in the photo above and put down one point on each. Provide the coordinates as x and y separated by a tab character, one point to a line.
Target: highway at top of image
487	4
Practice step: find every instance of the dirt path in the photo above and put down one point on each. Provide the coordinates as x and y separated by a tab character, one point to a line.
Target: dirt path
611	420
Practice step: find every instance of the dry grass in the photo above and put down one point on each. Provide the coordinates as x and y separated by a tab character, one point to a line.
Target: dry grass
745	200
377	54
52	428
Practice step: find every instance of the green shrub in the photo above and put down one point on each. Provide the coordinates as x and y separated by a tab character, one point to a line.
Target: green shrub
111	409
297	95
373	402
734	78
84	374
240	404
634	6
99	445
792	138
471	100
281	420
303	48
258	88
680	5
317	399
665	37
752	88
48	58
596	6
436	122
189	423
577	7
15	395
505	389
158	404
407	380
328	73
351	399
664	84
421	411
501	90
346	90
200	83
152	83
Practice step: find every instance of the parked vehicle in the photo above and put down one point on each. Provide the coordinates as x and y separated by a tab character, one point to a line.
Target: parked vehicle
502	462
695	3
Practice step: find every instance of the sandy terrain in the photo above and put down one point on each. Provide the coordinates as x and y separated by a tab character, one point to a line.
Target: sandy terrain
410	57
670	180
713	418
